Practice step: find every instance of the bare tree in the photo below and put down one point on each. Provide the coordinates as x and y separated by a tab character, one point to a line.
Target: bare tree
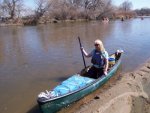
63	9
126	6
41	7
105	9
96	7
12	7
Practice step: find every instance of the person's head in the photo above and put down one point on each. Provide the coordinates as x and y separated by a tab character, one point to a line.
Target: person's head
99	45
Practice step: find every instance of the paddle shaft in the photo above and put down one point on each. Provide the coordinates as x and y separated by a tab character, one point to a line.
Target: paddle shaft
82	52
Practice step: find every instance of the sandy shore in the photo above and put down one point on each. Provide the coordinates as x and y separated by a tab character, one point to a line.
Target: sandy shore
130	94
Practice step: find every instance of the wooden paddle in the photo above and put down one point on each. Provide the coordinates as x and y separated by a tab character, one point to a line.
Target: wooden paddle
82	52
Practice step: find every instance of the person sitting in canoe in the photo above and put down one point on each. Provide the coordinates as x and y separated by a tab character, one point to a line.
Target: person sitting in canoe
99	60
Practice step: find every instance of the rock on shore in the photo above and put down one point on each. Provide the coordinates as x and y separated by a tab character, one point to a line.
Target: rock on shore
129	95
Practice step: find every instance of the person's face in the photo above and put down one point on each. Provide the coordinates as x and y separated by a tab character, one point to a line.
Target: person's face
97	46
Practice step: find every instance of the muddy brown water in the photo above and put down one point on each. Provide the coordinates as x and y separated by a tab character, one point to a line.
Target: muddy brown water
36	58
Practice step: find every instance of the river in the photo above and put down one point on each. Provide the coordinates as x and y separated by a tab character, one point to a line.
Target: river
36	58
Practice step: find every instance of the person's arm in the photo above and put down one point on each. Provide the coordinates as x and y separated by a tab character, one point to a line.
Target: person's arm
85	53
106	66
106	57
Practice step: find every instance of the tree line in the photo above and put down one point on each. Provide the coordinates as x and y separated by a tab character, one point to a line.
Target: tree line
64	10
143	12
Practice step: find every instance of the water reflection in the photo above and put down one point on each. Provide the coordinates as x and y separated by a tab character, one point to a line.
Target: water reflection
36	58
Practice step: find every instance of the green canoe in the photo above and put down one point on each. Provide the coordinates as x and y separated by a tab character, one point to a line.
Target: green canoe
54	104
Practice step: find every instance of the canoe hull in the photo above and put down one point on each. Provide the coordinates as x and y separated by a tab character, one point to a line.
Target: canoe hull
52	106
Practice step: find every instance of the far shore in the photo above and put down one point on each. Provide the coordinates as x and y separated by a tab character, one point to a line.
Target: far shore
40	22
31	22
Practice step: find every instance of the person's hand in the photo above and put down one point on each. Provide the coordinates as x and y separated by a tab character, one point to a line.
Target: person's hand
120	51
82	48
105	72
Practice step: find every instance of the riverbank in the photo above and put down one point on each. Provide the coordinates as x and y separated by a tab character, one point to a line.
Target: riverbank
34	22
129	95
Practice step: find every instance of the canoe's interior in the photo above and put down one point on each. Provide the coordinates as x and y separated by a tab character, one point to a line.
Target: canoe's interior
116	56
